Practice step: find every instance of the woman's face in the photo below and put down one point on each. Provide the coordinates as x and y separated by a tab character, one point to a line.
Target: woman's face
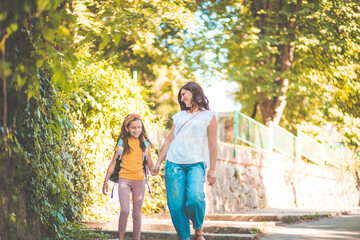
135	129
186	97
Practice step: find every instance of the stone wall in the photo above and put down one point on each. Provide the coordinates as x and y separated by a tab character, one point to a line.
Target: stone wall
254	180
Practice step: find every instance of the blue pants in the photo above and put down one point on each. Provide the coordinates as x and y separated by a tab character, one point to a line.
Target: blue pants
185	196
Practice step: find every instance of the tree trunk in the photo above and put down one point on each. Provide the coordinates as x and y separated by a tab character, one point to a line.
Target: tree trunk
272	108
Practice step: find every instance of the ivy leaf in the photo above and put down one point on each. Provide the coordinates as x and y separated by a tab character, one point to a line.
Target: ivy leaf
12	28
48	33
61	217
59	76
42	5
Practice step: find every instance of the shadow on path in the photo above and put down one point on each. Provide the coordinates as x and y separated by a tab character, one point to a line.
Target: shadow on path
343	227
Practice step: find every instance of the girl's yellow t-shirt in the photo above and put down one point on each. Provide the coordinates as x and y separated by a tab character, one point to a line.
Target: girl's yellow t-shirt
132	164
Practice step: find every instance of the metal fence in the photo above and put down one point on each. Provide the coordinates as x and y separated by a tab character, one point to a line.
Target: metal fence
274	137
250	131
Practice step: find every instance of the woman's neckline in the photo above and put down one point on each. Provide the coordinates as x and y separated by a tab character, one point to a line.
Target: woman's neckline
200	110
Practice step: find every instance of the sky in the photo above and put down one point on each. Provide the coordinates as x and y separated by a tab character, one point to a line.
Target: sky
219	93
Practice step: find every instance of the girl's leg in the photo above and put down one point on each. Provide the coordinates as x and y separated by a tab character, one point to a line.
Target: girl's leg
138	193
175	177
195	196
124	197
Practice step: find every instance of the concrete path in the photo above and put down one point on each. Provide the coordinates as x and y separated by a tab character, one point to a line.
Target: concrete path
333	224
345	227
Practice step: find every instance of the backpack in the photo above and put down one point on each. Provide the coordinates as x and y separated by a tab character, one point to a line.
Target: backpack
115	174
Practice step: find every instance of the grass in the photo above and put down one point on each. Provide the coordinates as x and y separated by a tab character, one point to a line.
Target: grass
304	218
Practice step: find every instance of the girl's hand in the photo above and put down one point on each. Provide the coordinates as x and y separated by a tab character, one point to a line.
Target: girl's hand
211	177
105	188
155	170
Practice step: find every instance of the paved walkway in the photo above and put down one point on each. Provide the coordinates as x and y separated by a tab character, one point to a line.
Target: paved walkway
345	227
333	224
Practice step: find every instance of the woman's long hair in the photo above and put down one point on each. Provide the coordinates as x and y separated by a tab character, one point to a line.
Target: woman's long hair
125	135
198	97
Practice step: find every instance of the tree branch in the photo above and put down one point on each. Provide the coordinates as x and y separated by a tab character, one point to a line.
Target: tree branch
3	41
5	199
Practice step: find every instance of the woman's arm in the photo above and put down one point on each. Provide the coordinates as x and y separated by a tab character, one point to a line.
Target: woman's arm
163	151
109	171
212	140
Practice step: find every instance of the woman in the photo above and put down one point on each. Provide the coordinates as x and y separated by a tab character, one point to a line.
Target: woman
190	148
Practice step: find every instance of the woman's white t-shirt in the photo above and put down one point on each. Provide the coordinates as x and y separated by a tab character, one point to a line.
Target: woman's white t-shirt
190	145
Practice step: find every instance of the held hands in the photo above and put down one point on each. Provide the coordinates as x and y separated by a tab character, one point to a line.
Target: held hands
211	177
155	170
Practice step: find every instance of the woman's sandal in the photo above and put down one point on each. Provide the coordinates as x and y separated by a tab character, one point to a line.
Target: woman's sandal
200	235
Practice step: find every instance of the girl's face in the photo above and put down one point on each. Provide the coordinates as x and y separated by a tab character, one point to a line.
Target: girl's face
186	97
135	129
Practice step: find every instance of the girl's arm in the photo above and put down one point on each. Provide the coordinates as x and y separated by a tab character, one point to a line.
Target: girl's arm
150	161
163	151
212	136
109	171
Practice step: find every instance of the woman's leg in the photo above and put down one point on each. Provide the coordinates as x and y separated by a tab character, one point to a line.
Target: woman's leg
124	198
175	177
138	193
195	196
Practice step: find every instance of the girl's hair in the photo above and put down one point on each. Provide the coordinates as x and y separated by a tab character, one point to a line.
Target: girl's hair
198	97
124	134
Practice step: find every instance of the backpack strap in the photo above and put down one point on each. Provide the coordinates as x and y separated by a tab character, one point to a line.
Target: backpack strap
145	165
120	150
120	147
145	153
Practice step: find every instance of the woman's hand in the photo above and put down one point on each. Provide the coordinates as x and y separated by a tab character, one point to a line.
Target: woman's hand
211	177
105	188
155	170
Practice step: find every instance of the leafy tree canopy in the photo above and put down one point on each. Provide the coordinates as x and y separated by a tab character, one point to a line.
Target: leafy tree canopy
295	61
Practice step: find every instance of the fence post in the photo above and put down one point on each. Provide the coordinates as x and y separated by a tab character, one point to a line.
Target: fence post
235	131
298	145
271	137
271	140
342	155
323	152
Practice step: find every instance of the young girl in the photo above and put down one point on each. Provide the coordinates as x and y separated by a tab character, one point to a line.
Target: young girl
131	175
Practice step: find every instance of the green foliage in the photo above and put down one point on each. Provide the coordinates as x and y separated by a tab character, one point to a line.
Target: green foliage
79	231
39	165
298	54
53	170
39	136
41	28
304	218
138	36
46	170
156	201
258	231
98	102
328	71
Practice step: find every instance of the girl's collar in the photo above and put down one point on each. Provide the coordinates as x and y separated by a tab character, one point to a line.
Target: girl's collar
133	139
